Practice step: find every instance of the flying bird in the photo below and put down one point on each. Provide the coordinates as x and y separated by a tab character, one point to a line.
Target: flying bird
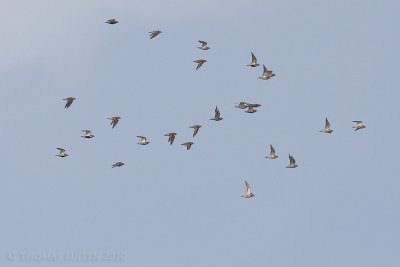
267	74
188	145
241	105
247	192
327	128
142	140
195	128
250	109
69	101
217	116
199	62
88	134
118	164
254	105
253	61
114	121
112	21
203	46
359	125
272	153
154	34
62	153
171	137
292	162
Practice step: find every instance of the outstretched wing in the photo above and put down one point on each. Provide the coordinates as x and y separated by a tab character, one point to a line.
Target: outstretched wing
203	43
199	63
272	150
265	69
69	101
196	130
292	160
217	113
327	124
253	58
248	188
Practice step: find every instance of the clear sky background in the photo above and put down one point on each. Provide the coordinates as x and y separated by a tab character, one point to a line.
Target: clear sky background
173	207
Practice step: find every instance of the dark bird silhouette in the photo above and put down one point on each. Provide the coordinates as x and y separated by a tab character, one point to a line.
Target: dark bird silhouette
114	121
171	137
188	145
199	62
112	21
217	116
195	128
69	100
154	34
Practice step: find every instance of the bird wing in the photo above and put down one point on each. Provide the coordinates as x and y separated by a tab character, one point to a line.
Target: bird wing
153	34
253	58
196	130
327	124
217	113
199	63
265	69
69	102
203	43
292	160
272	150
248	188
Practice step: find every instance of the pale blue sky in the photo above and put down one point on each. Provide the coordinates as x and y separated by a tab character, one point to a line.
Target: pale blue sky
172	207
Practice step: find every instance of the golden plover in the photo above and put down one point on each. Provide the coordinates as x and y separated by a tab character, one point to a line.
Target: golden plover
253	61
203	46
199	62
88	134
292	162
272	153
359	125
247	192
69	101
327	128
217	115
114	121
188	145
267	74
154	34
62	153
195	128
171	137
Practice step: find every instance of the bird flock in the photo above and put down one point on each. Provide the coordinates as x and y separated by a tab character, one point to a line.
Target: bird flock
249	108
